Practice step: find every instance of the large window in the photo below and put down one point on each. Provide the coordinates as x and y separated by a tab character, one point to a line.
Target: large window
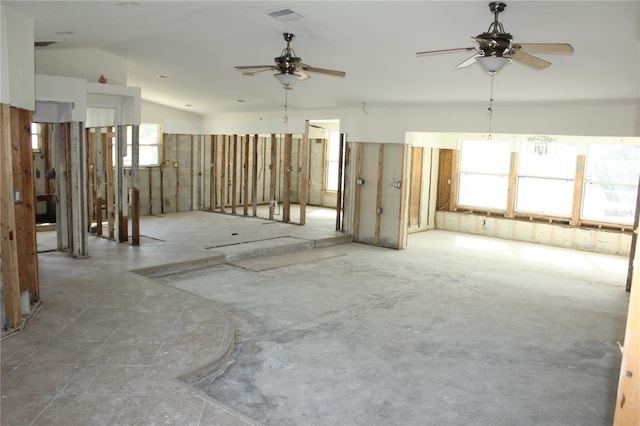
149	149
546	173
484	174
36	136
611	183
333	158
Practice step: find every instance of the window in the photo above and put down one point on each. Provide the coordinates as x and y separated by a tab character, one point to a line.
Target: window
149	145
333	158
546	174
36	136
611	183
484	174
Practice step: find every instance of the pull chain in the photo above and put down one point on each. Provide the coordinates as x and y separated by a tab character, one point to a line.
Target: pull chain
285	119
490	109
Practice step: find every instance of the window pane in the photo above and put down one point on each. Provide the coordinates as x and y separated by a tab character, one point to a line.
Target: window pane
609	203
557	159
148	155
333	153
485	156
552	197
611	183
487	191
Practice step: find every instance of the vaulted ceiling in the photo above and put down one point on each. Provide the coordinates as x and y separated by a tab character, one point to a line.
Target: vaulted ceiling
196	44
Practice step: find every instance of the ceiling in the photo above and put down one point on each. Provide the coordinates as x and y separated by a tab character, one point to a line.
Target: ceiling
198	43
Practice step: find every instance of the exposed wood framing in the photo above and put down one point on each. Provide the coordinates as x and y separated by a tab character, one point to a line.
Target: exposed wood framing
443	197
286	182
234	177
78	201
415	192
379	193
99	140
628	398
121	190
212	173
578	189
341	167
634	240
455	167
511	186
8	226
108	165
303	180
177	170
135	176
223	174
273	173
245	176
163	165
357	195
192	174
403	196
90	138
254	173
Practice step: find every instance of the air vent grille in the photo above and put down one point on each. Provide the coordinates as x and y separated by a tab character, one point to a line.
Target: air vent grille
44	43
284	15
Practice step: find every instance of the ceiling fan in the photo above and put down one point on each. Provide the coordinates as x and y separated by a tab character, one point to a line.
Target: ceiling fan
495	48
288	66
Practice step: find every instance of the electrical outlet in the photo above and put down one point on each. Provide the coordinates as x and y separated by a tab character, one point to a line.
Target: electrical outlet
360	181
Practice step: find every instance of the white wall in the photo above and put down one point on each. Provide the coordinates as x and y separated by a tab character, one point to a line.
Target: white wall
17	78
88	64
52	91
173	121
390	123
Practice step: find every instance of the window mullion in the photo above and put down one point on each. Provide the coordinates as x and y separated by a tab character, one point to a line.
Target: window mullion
512	185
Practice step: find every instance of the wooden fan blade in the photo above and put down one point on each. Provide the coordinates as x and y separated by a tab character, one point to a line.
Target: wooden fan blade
468	62
437	52
324	71
255	67
303	75
546	48
529	60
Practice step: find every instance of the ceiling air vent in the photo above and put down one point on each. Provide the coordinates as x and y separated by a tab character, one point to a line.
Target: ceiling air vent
284	15
44	43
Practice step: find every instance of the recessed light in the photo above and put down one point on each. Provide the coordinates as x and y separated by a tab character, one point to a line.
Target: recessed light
65	32
128	3
161	76
188	105
240	100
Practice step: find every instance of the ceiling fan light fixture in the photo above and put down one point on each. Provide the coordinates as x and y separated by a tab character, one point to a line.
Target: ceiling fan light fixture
287	80
493	64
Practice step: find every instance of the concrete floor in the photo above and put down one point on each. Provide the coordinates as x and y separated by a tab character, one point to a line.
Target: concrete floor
453	330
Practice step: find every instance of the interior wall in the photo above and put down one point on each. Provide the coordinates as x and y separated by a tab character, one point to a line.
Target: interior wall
87	64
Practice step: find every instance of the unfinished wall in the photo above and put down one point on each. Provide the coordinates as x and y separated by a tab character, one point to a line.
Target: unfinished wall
598	240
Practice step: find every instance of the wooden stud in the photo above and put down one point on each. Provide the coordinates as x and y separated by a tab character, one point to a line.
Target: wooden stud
254	173
212	173
415	193
245	176
234	177
303	180
111	214
10	260
99	162
404	190
339	196
453	188
91	197
177	170
511	186
163	164
192	176
357	195
122	193
286	184
634	241
379	193
273	174
78	192
135	195
223	177
627	409
578	189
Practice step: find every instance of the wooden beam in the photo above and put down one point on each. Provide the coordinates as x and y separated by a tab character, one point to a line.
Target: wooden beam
286	183
358	194
404	191
89	138
176	138
212	173
273	173
234	178
512	185
223	176
99	162
578	189
254	176
245	176
163	164
627	410
453	188
121	190
379	193
135	176
341	149
303	179
111	214
10	260
78	159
